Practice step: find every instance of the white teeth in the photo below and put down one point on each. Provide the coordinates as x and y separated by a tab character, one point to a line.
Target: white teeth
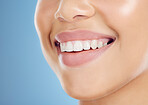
105	44
94	44
78	46
86	45
100	44
69	47
62	46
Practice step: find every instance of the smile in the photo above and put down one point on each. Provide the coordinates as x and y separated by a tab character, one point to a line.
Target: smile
80	47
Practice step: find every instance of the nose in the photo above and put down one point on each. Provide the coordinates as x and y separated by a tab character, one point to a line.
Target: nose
73	10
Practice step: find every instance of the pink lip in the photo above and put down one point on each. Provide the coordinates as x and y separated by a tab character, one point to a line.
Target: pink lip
80	35
74	59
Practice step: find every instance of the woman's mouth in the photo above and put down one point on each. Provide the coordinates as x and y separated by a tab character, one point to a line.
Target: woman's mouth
80	47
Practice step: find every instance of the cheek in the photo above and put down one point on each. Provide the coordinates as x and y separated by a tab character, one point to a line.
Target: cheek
128	18
116	12
44	18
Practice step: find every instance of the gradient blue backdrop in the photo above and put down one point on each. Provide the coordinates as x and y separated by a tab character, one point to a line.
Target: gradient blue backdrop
25	77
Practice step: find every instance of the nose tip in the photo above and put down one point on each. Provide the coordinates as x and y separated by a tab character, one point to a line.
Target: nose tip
74	10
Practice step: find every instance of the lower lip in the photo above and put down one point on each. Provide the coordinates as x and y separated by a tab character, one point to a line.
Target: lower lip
81	58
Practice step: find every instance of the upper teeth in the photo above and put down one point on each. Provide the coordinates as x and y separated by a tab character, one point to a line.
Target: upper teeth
71	46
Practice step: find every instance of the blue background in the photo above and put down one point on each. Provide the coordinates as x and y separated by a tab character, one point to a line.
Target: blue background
25	77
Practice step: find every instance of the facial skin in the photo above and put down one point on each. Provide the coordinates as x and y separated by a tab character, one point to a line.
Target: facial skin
124	61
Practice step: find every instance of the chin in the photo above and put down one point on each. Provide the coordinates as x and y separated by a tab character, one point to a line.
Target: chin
89	92
90	88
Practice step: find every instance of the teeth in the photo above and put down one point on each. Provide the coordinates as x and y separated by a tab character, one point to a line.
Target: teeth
78	46
94	44
71	46
62	46
86	45
100	44
105	44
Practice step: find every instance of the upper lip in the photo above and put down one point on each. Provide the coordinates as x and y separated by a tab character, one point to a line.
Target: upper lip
80	35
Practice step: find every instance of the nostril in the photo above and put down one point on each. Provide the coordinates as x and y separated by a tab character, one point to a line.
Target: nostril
75	18
80	17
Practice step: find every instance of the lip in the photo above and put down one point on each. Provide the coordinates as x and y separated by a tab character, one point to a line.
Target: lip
75	59
80	35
